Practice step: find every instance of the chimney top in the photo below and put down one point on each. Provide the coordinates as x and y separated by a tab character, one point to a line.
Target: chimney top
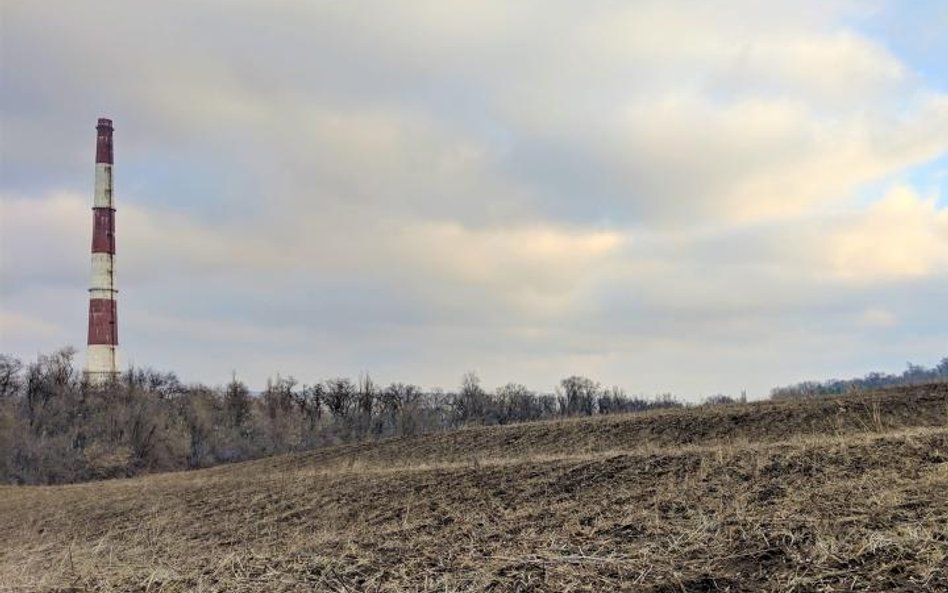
103	144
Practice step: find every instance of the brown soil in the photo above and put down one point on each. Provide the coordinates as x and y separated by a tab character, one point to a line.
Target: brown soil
846	494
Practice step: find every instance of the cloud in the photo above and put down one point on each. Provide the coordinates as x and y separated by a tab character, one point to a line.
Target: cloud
47	238
646	111
903	236
541	269
832	69
520	188
874	317
15	326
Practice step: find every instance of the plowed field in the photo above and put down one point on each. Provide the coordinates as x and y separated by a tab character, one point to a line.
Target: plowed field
843	494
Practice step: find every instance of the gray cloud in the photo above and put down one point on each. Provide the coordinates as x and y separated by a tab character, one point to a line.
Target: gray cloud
528	190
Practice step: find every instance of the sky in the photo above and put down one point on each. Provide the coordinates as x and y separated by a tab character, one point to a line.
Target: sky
667	196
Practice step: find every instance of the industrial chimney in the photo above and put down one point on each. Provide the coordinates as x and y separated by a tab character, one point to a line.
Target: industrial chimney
102	354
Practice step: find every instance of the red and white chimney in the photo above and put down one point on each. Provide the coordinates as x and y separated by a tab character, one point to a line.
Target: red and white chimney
102	353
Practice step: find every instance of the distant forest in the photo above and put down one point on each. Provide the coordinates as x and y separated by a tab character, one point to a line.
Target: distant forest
57	428
912	375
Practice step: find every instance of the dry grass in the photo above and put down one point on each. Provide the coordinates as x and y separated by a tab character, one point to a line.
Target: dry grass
848	494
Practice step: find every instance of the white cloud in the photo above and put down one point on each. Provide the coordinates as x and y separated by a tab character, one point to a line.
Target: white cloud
541	269
903	236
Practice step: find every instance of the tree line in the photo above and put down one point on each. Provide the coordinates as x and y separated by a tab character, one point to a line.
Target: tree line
55	427
913	375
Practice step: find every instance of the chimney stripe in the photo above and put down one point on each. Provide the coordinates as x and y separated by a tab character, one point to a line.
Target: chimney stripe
103	322
103	275
103	186
103	230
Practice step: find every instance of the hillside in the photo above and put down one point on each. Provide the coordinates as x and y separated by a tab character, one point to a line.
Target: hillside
842	494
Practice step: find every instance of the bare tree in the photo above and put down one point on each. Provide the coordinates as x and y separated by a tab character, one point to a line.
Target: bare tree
340	395
10	383
579	395
516	403
237	403
471	401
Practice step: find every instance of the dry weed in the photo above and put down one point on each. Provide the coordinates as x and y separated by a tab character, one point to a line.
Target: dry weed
838	495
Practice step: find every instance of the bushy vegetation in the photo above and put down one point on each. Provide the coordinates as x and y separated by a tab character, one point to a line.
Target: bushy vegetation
913	375
55	427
